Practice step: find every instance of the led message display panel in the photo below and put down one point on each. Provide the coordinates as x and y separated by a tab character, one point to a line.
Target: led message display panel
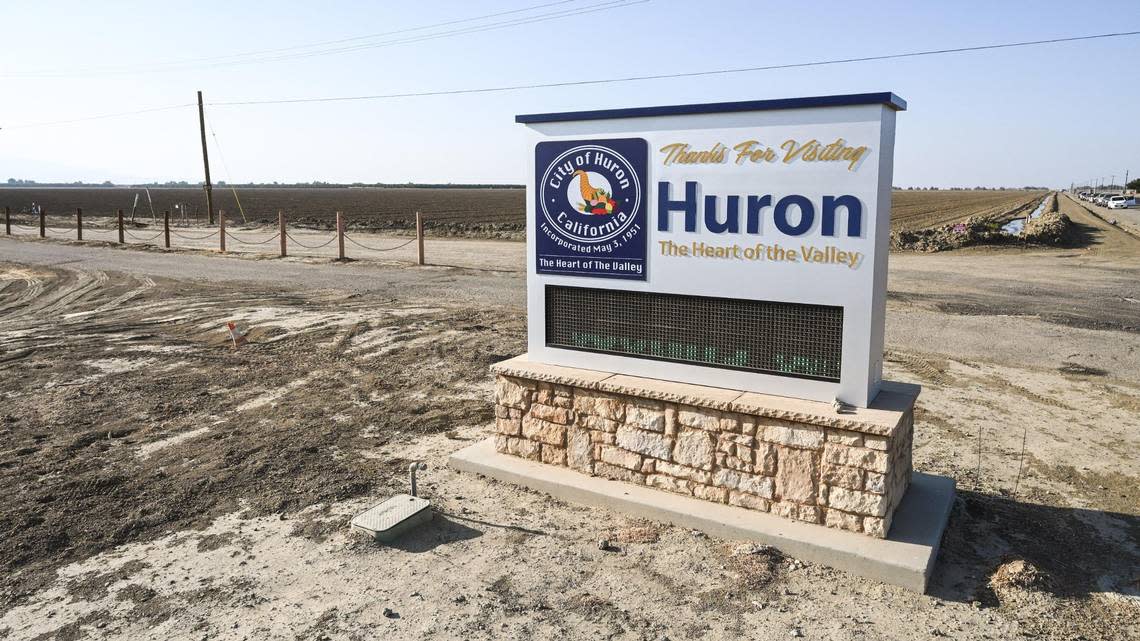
756	234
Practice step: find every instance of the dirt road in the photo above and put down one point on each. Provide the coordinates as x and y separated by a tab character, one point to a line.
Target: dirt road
168	486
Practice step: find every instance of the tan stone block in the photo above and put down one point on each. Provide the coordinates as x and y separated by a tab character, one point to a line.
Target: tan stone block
844	437
729	422
553	394
710	493
741	499
621	458
867	459
645	415
748	425
738	464
605	406
843	476
794	435
842	520
679	471
694	448
544	431
552	455
796	475
642	442
669	483
559	415
808	513
510	393
670	420
764	459
649	465
502	411
618	473
699	418
880	443
508	426
876	483
579	450
524	448
864	503
876	526
597	423
501	442
564	402
786	509
761	486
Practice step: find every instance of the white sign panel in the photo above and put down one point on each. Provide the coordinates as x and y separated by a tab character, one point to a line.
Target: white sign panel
738	245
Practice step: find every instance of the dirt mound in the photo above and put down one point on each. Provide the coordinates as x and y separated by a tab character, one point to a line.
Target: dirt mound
1019	574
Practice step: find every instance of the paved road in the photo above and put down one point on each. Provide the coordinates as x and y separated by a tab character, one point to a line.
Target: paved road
1128	219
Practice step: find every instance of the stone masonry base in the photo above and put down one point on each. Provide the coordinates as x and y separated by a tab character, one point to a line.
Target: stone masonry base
797	459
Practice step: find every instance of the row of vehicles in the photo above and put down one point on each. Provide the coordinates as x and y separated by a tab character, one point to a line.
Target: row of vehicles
1112	201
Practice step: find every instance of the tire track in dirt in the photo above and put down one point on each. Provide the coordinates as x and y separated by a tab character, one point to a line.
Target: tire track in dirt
920	366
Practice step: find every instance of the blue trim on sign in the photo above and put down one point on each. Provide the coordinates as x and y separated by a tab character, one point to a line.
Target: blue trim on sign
882	98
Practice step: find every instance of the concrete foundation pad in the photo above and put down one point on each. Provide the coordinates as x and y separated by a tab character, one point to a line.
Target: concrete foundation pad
905	558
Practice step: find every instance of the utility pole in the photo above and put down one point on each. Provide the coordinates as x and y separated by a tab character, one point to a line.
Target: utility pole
206	159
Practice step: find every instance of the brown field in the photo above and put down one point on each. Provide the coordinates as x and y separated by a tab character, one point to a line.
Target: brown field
388	208
913	210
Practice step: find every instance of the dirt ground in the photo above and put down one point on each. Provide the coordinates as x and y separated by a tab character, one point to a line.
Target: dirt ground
161	484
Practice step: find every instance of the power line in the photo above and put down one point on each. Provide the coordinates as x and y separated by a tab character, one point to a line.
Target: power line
690	74
262	56
100	117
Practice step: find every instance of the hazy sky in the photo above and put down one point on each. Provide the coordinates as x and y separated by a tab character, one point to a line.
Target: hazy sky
1043	115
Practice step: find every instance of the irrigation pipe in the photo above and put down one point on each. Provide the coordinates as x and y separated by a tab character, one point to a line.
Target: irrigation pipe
377	249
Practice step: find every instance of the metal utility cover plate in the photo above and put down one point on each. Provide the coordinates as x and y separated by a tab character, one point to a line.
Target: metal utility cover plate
388	520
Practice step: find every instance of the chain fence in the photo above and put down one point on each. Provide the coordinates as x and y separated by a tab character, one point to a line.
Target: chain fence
250	242
378	249
324	244
193	235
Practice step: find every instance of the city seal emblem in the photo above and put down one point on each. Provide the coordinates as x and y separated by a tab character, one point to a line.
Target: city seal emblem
590	209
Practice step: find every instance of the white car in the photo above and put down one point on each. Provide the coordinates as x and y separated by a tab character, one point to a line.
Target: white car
1121	202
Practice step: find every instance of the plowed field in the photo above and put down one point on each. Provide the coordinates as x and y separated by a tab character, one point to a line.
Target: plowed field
388	208
913	210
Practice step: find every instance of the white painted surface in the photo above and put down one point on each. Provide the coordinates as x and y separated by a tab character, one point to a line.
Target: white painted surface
860	291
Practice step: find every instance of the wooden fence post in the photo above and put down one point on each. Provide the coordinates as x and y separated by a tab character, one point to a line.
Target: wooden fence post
43	222
166	227
340	234
420	238
222	230
281	230
7	221
120	216
78	223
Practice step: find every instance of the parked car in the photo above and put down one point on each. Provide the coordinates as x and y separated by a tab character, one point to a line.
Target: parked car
1121	202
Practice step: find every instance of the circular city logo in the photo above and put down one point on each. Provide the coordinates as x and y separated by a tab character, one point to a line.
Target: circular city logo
589	193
